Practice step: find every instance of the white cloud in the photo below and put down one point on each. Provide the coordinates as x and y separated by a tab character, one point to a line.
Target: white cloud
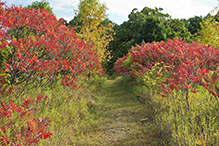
122	8
65	5
176	8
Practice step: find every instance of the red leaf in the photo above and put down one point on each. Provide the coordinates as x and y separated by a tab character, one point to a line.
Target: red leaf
158	74
2	76
213	93
193	91
13	106
167	91
27	21
5	141
162	94
20	109
71	70
64	62
4	113
187	86
4	105
35	59
84	66
23	113
47	135
19	56
30	60
79	86
52	65
26	102
53	33
39	97
46	97
64	83
66	78
8	67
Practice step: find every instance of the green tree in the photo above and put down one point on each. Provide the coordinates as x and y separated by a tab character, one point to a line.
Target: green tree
194	24
76	24
157	29
42	5
146	25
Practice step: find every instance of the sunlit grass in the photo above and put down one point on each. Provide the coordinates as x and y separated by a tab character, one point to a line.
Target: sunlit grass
195	122
69	110
125	112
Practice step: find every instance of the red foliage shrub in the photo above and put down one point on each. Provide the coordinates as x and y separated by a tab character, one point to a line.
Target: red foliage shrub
23	127
189	63
41	48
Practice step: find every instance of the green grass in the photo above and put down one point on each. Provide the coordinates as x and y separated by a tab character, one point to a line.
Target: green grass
119	118
104	113
123	112
196	124
69	110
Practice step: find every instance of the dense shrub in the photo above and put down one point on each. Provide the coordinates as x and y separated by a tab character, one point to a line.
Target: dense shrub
37	50
41	48
186	74
19	127
181	64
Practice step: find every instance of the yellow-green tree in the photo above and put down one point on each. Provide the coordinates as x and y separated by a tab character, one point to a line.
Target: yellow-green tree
91	14
209	32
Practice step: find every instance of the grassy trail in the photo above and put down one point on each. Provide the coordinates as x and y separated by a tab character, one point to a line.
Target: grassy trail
119	120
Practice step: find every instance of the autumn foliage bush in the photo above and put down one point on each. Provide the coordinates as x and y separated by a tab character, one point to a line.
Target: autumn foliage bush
41	48
40	51
19	126
183	64
180	82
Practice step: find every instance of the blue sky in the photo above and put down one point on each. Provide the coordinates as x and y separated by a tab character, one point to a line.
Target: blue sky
120	9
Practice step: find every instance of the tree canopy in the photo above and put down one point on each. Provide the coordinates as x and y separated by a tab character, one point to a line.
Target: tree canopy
209	33
42	5
147	25
92	25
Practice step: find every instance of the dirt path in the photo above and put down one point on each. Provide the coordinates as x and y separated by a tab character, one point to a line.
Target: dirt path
119	120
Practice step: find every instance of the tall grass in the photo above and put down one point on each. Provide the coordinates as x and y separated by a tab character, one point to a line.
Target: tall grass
187	122
71	111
